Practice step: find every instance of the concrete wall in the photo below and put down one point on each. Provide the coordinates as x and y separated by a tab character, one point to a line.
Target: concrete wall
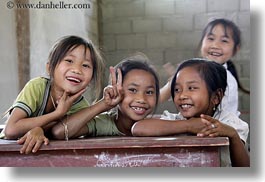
169	31
47	25
8	52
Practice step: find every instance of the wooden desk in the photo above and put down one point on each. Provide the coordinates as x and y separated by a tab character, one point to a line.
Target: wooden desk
184	151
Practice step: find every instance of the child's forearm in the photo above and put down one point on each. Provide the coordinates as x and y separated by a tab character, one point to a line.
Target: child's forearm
76	122
165	93
158	127
16	128
238	153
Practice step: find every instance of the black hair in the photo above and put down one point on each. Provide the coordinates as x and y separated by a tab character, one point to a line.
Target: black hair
127	65
236	35
211	72
232	68
68	43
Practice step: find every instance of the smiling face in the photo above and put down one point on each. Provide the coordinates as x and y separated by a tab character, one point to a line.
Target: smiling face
139	95
218	45
191	94
74	72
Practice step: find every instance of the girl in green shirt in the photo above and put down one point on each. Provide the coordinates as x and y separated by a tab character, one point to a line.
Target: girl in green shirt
73	64
132	96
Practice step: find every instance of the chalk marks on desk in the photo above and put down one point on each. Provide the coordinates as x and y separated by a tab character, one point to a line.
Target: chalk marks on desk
183	159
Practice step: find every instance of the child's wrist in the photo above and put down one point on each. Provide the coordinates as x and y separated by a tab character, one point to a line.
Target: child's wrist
103	105
58	115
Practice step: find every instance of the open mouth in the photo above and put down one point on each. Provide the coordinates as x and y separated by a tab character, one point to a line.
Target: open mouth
73	79
215	54
139	110
185	106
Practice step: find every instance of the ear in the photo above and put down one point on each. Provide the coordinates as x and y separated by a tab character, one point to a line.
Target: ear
217	97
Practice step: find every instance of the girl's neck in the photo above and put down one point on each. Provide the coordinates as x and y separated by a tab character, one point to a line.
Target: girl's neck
52	101
55	93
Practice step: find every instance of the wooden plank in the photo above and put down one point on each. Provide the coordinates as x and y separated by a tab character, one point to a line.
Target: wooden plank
141	157
124	142
23	43
119	152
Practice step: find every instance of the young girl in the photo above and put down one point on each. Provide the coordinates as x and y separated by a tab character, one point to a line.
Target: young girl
197	91
73	64
135	91
221	40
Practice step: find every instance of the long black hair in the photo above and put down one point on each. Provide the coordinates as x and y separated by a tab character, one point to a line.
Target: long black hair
211	72
236	35
67	43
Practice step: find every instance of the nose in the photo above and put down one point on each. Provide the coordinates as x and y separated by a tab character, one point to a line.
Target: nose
183	95
215	44
76	69
140	98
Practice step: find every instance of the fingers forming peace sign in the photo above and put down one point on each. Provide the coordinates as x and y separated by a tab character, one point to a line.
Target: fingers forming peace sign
113	93
116	80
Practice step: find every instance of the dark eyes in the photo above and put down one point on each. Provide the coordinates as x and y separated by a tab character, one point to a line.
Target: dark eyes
68	60
177	90
149	92
210	38
71	61
133	90
86	65
223	40
191	88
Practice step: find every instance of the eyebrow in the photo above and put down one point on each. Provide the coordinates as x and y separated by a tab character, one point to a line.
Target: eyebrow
137	85
71	55
189	82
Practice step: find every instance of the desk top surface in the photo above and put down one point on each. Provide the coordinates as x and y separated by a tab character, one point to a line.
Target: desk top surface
123	142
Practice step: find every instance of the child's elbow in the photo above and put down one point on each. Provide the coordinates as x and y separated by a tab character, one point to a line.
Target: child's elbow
57	133
11	134
136	130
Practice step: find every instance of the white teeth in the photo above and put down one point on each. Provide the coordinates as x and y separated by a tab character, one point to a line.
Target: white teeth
138	108
185	106
73	79
215	54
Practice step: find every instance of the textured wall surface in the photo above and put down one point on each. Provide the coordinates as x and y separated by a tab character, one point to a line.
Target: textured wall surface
169	31
165	30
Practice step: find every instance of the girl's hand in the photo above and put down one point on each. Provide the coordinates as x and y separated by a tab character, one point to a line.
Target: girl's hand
195	125
66	101
170	69
113	93
215	128
32	140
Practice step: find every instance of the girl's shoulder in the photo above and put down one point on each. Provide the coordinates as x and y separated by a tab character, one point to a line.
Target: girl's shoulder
38	81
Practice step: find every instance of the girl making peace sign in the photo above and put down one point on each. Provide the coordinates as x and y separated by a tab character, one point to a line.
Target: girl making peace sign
132	95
